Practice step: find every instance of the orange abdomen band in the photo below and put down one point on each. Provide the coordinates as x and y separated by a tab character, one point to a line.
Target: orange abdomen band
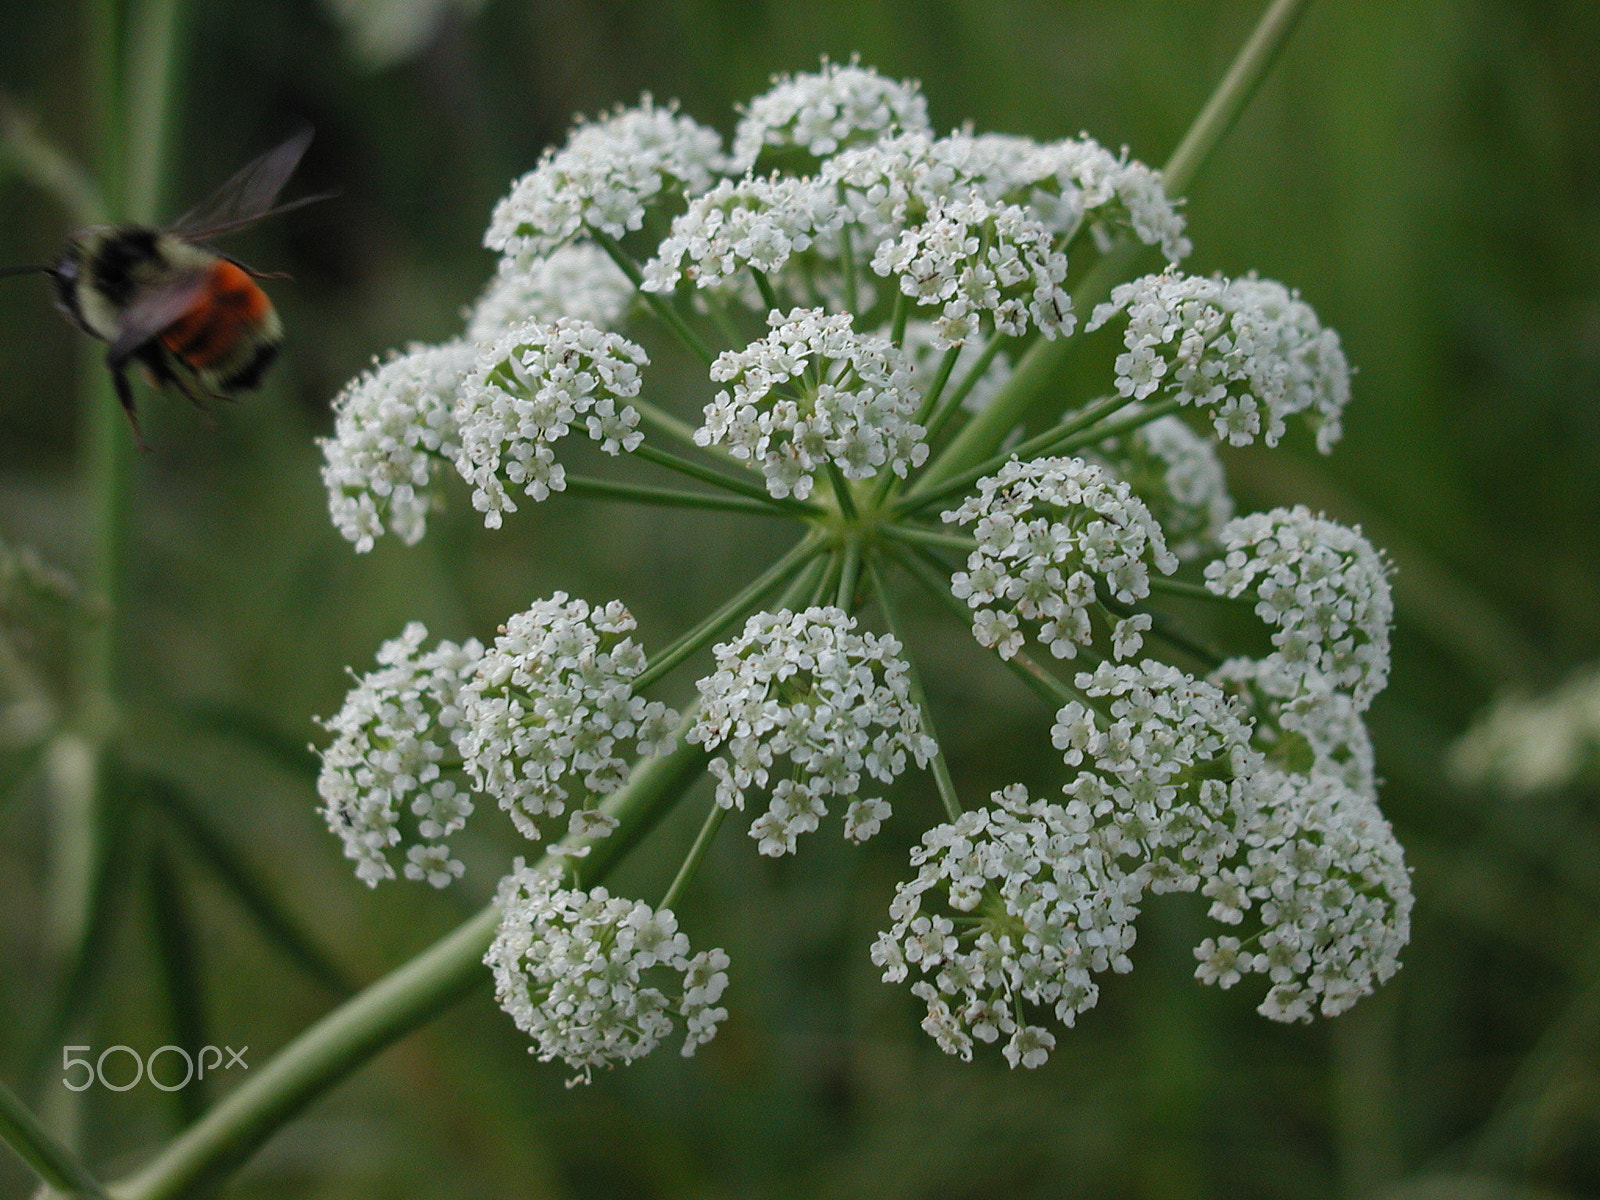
211	331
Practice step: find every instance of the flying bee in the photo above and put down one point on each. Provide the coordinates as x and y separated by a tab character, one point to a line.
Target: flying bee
189	315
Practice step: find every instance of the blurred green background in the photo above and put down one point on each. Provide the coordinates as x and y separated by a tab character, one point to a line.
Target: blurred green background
1427	173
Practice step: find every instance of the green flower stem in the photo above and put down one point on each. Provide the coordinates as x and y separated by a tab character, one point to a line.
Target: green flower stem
605	489
941	770
54	1163
47	167
849	575
665	422
1050	441
842	492
1195	591
707	631
930	398
769	296
847	267
1115	429
984	433
154	34
732	483
902	314
697	853
828	582
929	537
335	1046
659	304
1162	628
950	404
1039	681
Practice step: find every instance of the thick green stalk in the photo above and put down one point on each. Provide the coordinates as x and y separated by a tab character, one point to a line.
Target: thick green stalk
152	73
732	483
54	1163
393	1006
984	433
696	855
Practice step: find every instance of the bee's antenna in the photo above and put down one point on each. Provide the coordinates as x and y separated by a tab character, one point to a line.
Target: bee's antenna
4	271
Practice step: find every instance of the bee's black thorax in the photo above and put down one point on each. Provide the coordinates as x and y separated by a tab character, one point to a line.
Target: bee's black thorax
123	261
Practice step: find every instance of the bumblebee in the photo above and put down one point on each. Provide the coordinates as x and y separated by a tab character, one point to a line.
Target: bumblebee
189	316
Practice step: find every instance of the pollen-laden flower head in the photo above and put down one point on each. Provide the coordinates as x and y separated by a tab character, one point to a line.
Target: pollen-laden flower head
596	979
1178	475
603	179
577	280
1303	724
805	708
393	773
979	264
527	391
1051	533
394	427
814	392
550	710
1323	587
1249	350
823	111
749	223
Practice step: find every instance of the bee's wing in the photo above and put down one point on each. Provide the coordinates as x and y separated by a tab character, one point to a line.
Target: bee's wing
248	196
153	312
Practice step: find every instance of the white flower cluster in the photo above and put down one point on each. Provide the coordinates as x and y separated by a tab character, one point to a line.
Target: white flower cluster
975	261
394	427
755	223
550	706
1248	349
1528	744
825	110
394	762
527	391
1050	533
1178	475
1324	588
835	703
577	280
1078	182
583	973
604	177
1303	724
814	392
1026	900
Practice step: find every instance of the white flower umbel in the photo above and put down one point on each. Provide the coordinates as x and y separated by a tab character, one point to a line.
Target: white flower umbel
749	223
825	110
551	707
995	918
1249	350
1523	745
1051	533
394	427
577	280
1177	473
1077	182
526	392
806	708
596	979
604	177
1323	587
979	265
393	772
814	392
1332	895
1303	724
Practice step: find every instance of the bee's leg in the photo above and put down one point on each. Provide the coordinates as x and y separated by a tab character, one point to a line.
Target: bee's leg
119	380
255	274
207	416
